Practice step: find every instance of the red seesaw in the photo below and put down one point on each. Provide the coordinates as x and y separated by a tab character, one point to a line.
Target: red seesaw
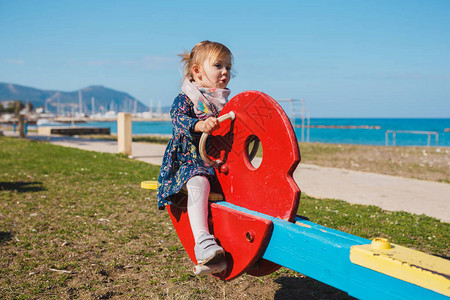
255	218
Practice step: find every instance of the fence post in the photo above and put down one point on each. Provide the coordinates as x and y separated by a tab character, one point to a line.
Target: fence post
22	126
124	135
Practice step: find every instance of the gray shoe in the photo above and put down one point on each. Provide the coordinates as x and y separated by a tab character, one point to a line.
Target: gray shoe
207	251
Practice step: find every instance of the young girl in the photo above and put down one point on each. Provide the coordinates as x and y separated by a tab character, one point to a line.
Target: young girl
194	111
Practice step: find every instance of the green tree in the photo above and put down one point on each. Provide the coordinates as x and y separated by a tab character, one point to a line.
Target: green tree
10	107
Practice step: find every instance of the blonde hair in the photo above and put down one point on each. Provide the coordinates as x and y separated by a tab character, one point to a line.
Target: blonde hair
202	51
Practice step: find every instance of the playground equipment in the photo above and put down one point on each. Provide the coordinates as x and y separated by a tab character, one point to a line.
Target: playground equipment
253	216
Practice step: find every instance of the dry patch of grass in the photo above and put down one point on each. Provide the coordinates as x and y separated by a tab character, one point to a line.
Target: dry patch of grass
426	163
76	224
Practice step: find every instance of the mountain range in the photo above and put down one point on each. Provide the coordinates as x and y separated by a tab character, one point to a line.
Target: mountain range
93	99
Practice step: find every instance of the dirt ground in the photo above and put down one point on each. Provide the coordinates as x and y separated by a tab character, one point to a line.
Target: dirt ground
75	248
92	256
76	225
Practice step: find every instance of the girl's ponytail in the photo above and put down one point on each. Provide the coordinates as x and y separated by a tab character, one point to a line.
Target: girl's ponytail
186	61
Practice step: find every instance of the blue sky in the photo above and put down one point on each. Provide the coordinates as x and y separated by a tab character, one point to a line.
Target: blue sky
345	58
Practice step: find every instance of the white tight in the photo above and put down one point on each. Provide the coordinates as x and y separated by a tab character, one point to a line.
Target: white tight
197	204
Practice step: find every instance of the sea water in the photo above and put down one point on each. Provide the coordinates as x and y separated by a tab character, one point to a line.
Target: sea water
332	135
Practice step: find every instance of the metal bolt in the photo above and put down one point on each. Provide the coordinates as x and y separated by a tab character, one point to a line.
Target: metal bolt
250	236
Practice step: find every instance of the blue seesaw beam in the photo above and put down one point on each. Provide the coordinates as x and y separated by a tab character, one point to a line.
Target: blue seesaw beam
326	255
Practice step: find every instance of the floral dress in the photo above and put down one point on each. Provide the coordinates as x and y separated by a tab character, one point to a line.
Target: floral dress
181	159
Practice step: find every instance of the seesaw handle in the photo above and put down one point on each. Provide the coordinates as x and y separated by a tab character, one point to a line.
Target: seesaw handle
202	149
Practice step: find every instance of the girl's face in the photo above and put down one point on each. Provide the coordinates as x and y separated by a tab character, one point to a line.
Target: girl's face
213	74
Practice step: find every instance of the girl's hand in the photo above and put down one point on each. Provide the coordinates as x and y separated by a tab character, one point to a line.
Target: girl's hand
207	126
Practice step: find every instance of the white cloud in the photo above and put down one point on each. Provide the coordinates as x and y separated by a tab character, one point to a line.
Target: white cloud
147	62
156	62
15	61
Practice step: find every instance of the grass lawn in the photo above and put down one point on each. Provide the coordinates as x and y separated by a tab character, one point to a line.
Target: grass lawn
76	224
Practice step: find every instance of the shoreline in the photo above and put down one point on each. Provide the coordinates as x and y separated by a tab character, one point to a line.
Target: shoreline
404	132
8	131
13	121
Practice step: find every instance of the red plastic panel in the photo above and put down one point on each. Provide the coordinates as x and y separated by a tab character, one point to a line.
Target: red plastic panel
180	220
243	236
270	188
